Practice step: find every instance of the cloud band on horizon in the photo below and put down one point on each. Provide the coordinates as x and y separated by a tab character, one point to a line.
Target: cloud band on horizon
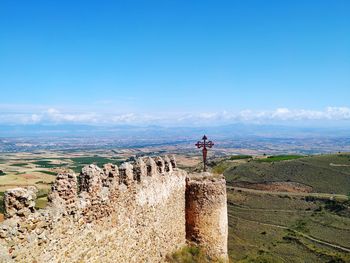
55	116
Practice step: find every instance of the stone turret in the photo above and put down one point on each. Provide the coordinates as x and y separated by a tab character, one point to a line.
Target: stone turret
206	214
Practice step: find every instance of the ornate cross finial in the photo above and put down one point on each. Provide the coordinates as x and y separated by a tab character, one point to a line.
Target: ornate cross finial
205	144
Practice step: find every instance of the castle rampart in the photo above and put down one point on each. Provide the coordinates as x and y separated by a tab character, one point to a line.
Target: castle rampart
134	213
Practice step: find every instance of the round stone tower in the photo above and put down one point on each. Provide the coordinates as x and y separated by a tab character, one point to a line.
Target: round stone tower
206	214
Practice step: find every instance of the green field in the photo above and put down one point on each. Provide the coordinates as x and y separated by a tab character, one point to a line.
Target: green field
80	162
47	164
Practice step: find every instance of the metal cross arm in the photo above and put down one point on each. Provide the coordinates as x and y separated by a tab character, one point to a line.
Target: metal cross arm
204	144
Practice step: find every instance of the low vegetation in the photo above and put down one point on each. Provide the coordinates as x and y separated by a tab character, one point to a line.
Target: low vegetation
221	167
278	158
240	157
190	254
272	227
276	228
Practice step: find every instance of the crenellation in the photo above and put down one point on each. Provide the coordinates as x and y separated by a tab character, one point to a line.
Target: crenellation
126	173
64	193
173	161
151	165
90	178
111	172
139	169
167	164
160	164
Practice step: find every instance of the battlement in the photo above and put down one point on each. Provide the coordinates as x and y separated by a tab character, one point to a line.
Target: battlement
131	213
69	190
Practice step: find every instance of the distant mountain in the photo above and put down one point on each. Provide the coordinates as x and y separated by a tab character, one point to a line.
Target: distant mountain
223	131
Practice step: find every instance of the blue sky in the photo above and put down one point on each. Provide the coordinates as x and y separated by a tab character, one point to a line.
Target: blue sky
166	61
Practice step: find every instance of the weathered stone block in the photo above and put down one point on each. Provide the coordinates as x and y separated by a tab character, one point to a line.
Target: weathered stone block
20	201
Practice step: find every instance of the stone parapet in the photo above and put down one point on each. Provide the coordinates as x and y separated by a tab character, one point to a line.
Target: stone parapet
131	213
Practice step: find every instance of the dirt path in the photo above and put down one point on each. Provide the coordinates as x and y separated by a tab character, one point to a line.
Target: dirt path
269	210
320	195
297	232
339	165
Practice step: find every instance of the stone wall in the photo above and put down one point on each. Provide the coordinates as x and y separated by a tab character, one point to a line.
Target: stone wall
133	213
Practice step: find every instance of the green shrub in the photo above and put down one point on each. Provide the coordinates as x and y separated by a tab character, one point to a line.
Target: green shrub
190	254
300	225
334	206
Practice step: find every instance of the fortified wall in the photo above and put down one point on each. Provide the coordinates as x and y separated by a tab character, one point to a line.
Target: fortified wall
141	211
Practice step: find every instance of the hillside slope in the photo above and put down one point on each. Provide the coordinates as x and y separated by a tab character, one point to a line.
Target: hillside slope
323	173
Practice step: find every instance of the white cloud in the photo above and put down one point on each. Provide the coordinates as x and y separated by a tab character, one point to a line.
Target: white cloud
53	115
56	116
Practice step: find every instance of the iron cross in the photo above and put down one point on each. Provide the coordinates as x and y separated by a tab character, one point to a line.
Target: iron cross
205	144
